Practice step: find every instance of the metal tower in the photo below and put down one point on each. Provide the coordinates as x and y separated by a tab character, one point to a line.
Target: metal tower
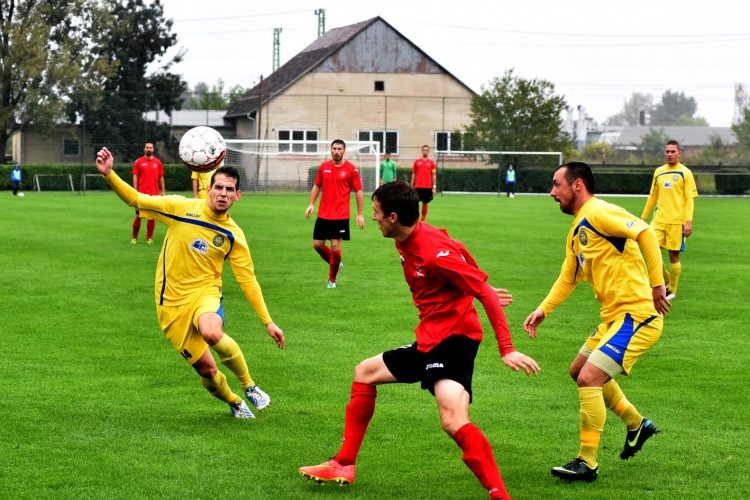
321	13
740	101
276	46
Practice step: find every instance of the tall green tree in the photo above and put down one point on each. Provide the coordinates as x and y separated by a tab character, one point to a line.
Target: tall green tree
517	114
742	129
44	58
652	143
216	98
137	36
673	105
631	109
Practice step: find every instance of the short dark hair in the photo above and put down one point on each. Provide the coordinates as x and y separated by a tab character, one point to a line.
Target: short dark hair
673	143
579	170
338	141
230	172
400	198
426	146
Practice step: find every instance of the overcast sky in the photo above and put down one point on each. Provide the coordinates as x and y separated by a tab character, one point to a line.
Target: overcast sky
597	53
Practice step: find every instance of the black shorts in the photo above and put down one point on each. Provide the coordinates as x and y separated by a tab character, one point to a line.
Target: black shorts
326	229
451	359
425	194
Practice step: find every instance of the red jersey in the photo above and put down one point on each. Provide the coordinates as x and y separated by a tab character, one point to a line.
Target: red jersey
148	172
423	168
337	184
444	280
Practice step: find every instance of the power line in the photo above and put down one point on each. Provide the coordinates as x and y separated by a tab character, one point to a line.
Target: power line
242	17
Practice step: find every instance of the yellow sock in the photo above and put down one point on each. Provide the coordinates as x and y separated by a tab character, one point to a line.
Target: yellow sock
616	401
218	388
674	276
593	415
665	273
231	356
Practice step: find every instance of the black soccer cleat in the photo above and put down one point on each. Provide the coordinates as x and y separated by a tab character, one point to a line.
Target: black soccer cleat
635	439
577	470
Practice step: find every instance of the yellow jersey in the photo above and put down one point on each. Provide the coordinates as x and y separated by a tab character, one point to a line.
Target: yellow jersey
197	243
671	188
602	249
203	178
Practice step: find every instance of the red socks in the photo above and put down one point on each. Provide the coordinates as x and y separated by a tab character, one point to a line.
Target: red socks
136	227
150	226
325	253
425	207
359	411
335	262
479	458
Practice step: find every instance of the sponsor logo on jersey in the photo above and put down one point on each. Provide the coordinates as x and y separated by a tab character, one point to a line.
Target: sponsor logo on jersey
218	240
434	365
326	171
581	259
199	245
444	253
583	237
667	184
593	334
197	216
418	272
631	223
613	348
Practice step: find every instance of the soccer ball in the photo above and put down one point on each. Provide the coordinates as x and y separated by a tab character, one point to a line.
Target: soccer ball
202	149
21	195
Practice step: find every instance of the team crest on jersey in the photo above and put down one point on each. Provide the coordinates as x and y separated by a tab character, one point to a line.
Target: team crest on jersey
667	184
199	245
675	177
218	240
583	237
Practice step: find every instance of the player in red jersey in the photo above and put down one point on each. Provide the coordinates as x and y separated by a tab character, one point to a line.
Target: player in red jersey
444	280
337	178
424	179
148	178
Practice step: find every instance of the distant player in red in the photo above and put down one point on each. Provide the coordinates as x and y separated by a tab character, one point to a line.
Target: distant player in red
444	280
337	178
148	178
424	179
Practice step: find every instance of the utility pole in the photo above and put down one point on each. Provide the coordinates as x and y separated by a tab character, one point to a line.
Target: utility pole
276	46
321	13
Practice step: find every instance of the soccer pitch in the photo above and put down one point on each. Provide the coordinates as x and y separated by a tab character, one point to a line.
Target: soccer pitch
96	404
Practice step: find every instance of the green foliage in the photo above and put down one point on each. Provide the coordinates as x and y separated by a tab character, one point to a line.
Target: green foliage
631	109
690	121
516	114
733	182
216	98
742	129
599	152
137	35
672	107
652	143
44	58
97	405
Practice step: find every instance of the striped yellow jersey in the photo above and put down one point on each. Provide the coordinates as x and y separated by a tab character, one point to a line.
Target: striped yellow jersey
672	187
197	243
602	250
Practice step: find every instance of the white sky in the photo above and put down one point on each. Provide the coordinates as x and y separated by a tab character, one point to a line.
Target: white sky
597	53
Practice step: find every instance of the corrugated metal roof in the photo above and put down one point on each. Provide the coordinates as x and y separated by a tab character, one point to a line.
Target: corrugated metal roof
686	136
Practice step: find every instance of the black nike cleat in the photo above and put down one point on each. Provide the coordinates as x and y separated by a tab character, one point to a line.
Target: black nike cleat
577	470
635	439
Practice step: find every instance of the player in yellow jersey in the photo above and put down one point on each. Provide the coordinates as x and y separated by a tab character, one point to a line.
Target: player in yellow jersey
672	191
201	183
603	248
200	236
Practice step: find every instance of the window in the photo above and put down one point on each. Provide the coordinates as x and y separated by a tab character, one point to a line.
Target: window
71	147
388	140
449	142
296	140
379	86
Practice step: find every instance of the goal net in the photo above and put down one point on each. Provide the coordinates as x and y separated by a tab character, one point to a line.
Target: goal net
53	182
93	182
291	166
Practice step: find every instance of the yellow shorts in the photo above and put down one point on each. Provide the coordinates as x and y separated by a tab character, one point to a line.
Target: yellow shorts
670	236
615	347
180	323
202	194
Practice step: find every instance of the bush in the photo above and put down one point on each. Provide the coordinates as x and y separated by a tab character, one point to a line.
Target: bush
738	182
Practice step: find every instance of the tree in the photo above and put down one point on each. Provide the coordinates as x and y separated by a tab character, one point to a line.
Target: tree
742	129
652	144
673	105
215	98
137	35
44	58
516	114
630	114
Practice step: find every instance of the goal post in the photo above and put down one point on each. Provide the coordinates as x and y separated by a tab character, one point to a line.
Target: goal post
275	166
53	182
93	182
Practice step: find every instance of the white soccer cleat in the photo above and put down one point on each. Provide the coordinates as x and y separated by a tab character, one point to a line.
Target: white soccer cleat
331	284
257	397
670	297
240	410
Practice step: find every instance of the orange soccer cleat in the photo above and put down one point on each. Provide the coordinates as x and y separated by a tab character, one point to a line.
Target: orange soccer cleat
330	471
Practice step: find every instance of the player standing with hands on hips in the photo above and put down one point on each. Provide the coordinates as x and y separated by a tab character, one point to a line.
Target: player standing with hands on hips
672	190
148	178
602	248
337	178
444	280
200	237
424	179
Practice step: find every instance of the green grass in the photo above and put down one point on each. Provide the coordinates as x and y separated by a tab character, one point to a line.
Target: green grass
96	404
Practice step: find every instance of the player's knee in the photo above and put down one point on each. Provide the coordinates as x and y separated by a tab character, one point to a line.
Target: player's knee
206	371
318	245
452	422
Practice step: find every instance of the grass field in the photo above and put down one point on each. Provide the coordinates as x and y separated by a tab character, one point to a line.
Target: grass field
96	404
